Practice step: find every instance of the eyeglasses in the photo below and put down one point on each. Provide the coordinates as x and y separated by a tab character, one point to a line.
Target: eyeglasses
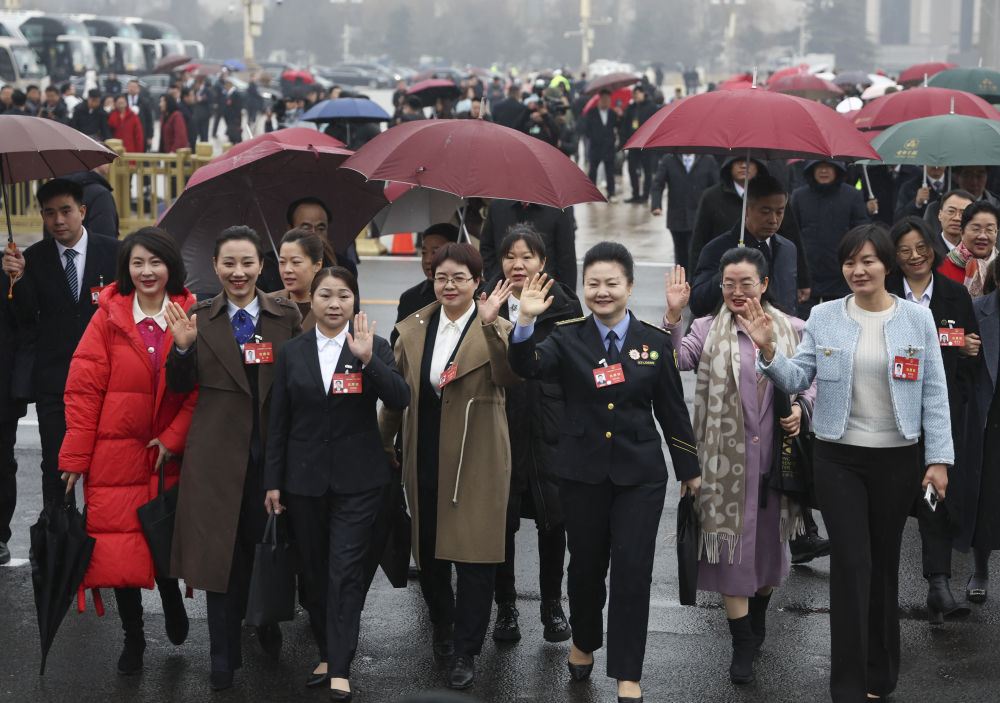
979	229
458	279
744	286
951	211
907	253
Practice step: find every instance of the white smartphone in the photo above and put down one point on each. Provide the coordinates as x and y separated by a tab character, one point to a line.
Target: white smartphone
931	497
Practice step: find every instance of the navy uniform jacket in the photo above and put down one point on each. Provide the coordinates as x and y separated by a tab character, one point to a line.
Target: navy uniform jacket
608	433
318	440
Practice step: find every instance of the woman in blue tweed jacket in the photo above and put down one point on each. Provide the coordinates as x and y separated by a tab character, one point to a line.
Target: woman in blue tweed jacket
880	383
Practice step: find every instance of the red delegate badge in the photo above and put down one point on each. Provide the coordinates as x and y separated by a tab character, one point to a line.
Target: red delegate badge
447	376
95	293
905	368
347	383
258	353
608	375
951	336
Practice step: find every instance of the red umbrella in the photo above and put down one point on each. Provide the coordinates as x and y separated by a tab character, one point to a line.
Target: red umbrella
204	70
474	158
294	75
805	85
612	82
434	88
920	102
741	80
619	98
915	74
254	182
790	71
170	62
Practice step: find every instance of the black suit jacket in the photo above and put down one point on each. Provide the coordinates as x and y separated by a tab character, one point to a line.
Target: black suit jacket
609	433
601	135
42	297
557	227
319	441
410	300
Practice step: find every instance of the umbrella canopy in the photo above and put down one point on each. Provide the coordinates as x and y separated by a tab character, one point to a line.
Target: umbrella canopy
802	68
340	109
234	65
294	75
920	102
877	91
915	74
741	80
612	82
619	98
170	62
805	85
944	140
60	553
984	82
34	147
852	78
253	185
474	158
413	209
204	70
434	88
771	125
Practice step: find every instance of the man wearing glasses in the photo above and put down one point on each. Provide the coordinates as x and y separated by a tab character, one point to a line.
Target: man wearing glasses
950	216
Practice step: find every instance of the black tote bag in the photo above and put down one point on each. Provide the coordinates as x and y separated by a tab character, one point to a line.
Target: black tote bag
687	549
157	520
272	582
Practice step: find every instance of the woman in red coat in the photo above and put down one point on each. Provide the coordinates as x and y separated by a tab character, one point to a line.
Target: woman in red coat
123	426
125	125
173	130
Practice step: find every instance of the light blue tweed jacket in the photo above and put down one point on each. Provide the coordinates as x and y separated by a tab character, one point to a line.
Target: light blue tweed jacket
829	341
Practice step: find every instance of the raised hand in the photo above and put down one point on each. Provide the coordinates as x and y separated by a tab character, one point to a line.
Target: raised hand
183	330
535	298
361	342
489	307
678	293
759	325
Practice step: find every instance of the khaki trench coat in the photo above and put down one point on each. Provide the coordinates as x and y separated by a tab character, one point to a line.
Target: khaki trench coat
218	443
474	464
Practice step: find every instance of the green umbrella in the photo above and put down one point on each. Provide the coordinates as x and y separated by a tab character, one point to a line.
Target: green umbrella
945	140
984	82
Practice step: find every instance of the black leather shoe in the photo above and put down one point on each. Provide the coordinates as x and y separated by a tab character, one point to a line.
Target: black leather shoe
579	672
462	673
130	661
554	619
220	680
444	640
505	629
809	546
314	679
4	553
175	617
624	699
941	603
270	640
342	696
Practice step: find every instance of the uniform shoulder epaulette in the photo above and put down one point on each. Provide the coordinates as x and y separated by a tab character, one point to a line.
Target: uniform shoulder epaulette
655	327
570	322
199	306
283	302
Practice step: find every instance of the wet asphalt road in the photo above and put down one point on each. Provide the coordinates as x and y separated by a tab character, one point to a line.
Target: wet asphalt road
688	647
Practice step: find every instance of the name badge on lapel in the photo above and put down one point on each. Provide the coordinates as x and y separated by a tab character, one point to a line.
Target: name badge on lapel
95	292
906	368
346	383
258	353
608	375
951	336
447	376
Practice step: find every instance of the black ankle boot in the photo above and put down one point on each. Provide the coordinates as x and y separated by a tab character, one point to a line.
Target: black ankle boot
554	619
741	668
174	616
130	661
758	618
940	602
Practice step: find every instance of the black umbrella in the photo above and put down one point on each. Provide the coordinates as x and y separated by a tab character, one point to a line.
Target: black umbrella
60	553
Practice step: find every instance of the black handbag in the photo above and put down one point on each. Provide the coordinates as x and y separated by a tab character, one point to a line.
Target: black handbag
687	549
272	582
157	520
791	471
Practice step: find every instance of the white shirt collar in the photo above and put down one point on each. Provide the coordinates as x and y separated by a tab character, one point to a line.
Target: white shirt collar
739	189
80	247
159	318
925	298
444	323
252	309
322	341
946	242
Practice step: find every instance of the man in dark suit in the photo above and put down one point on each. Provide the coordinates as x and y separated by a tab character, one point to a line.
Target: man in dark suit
141	106
686	177
600	126
231	107
510	111
12	409
912	195
90	118
556	227
58	281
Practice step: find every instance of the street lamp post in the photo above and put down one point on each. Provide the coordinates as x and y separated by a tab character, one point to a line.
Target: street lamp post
586	32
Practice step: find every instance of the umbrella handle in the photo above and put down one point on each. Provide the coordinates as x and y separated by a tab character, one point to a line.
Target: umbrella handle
13	276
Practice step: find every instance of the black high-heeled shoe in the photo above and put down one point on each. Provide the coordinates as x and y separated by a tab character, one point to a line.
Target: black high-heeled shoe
941	603
314	679
976	595
580	672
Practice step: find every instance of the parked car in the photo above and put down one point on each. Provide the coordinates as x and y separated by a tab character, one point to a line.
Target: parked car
360	74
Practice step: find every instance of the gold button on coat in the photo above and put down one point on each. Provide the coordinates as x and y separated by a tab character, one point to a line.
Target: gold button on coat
608	435
827	352
611	406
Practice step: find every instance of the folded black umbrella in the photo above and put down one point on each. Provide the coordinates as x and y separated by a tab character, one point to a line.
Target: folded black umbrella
60	553
157	520
272	581
791	471
687	549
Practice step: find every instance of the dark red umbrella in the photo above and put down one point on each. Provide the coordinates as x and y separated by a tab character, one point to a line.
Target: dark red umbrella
619	98
434	88
920	102
916	74
294	75
170	62
253	184
612	82
737	82
805	85
474	158
790	71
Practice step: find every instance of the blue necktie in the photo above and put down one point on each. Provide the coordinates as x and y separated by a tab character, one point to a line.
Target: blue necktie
242	327
74	284
613	357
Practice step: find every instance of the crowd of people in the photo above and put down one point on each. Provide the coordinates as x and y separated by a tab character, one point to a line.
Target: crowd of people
856	335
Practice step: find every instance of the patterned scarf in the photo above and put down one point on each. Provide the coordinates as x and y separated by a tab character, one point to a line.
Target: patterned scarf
976	270
721	439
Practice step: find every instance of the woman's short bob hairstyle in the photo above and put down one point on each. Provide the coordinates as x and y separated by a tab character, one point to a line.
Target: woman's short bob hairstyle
754	257
912	223
237	233
857	237
463	254
161	245
613	252
522	232
340	273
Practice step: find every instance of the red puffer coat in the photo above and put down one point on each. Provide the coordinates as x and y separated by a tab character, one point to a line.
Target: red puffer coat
113	410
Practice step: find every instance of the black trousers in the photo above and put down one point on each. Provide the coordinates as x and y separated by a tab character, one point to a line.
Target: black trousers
226	611
8	477
641	165
609	169
865	496
551	555
611	525
469	606
682	247
51	429
333	532
935	539
130	602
